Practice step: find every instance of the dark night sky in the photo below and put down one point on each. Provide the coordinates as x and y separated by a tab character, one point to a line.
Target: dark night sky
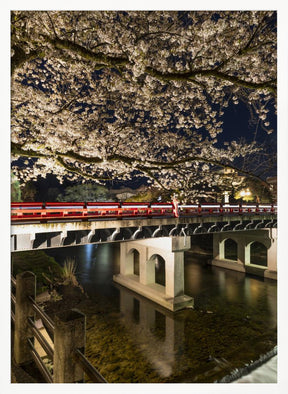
236	125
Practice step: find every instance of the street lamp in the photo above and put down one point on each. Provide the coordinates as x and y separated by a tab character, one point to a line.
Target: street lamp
245	194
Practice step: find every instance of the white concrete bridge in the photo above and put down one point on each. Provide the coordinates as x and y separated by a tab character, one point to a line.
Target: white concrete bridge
145	241
59	233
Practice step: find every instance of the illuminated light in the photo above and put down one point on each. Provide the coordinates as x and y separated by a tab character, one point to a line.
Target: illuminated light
126	207
102	206
188	206
210	206
161	206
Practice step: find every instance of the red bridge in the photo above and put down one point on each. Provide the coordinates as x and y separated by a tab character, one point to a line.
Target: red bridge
30	211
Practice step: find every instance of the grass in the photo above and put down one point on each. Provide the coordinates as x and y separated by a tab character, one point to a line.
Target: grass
69	272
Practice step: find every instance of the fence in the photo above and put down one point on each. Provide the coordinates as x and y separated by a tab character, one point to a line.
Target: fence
62	341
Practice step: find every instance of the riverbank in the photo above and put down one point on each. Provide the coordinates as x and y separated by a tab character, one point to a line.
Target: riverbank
267	373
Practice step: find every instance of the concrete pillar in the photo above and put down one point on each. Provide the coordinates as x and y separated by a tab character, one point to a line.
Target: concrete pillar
216	246
25	287
243	251
174	274
147	271
69	335
271	271
126	260
172	250
272	257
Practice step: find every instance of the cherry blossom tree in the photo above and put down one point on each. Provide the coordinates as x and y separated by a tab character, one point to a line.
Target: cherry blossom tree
107	95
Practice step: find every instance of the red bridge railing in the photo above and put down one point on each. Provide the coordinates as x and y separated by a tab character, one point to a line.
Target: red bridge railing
110	210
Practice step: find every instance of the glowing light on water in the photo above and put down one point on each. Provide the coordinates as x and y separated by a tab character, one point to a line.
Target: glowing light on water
89	251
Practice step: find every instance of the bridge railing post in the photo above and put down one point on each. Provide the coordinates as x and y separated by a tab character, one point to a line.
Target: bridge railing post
69	335
25	288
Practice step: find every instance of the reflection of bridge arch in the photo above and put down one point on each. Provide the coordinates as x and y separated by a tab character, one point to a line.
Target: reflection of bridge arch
159	335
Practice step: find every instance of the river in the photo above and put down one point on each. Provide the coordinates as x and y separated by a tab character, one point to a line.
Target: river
130	339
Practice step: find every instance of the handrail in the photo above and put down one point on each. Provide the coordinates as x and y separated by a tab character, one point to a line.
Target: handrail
40	364
88	367
31	332
13	298
24	211
13	280
40	338
45	318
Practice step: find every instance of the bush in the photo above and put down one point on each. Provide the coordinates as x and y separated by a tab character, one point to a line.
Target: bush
46	269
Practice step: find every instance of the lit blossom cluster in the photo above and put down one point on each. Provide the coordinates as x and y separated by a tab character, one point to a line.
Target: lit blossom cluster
104	94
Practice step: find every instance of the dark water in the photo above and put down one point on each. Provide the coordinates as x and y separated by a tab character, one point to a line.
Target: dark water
130	339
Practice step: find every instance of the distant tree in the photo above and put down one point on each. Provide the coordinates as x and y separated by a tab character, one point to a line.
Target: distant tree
259	193
29	191
52	194
15	189
85	192
151	194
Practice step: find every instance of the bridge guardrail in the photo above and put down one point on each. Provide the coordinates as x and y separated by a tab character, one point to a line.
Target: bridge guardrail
83	211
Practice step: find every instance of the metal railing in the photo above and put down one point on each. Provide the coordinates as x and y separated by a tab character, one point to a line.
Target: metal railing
34	333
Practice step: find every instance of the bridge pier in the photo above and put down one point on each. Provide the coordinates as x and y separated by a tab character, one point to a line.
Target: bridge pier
171	249
244	240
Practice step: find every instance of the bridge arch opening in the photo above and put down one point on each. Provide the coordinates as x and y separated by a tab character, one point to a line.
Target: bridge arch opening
258	254
159	269
230	249
134	258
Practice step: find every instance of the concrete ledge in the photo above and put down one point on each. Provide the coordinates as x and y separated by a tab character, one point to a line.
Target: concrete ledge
270	274
255	269
228	264
154	292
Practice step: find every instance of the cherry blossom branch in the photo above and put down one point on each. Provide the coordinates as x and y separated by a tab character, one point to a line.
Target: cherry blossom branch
190	75
137	164
85	53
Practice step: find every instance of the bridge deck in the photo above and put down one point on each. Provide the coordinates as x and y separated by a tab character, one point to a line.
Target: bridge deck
52	234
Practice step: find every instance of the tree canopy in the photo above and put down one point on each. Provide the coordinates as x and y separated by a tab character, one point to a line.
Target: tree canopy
87	192
112	95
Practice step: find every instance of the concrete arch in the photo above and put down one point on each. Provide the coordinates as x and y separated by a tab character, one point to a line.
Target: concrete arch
265	265
200	229
222	245
170	293
131	250
253	256
134	256
213	228
127	257
159	264
230	249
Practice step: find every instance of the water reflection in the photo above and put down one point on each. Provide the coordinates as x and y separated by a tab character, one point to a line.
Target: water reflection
95	266
154	330
234	320
219	288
